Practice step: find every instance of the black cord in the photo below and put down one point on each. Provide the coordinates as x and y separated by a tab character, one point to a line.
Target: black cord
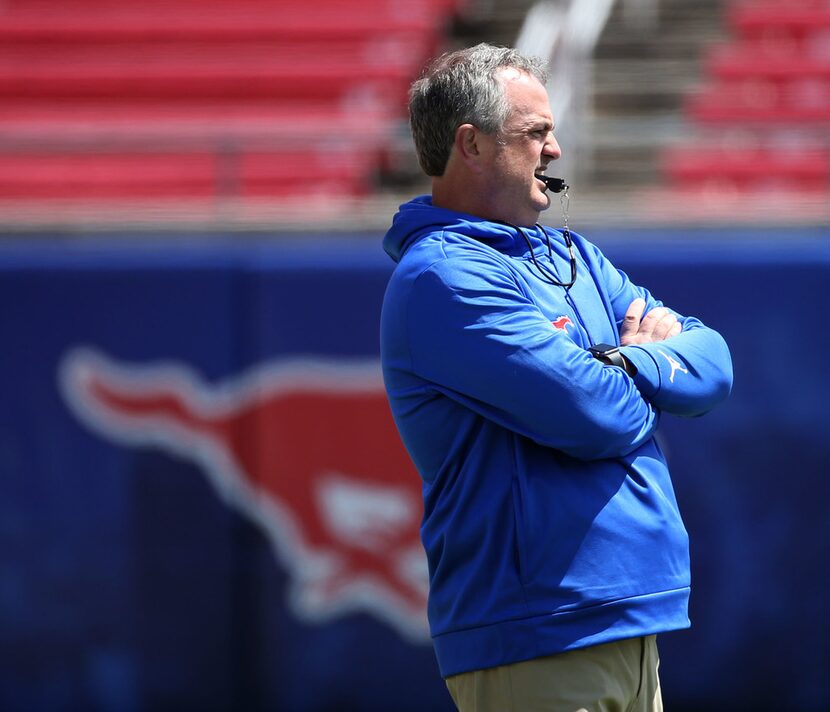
547	275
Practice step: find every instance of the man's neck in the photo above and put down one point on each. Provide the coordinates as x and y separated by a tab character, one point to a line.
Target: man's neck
447	193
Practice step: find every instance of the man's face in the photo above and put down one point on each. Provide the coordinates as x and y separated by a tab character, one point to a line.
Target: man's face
522	149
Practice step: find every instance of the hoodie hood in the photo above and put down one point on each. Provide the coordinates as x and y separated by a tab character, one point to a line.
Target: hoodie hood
419	217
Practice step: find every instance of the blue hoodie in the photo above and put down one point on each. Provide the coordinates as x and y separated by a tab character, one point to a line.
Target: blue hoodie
550	522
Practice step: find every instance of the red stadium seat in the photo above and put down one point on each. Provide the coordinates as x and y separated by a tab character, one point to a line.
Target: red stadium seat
800	103
261	123
185	175
195	71
751	61
794	20
215	20
748	169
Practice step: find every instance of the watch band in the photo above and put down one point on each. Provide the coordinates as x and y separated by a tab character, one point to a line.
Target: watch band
612	356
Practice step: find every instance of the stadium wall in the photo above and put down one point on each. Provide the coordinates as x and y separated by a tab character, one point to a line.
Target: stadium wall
192	515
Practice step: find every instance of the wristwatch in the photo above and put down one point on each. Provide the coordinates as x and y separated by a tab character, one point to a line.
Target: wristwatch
612	356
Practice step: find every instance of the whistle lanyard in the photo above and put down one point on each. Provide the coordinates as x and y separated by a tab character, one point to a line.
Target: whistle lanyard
547	274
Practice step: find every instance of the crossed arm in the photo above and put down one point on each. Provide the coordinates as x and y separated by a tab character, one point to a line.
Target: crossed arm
681	367
476	338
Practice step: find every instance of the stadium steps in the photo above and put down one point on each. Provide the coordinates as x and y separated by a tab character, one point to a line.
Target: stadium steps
641	74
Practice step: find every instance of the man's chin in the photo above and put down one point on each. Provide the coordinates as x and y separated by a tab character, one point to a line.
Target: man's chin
543	203
530	219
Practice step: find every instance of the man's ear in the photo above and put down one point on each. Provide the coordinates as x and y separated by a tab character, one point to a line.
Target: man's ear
468	146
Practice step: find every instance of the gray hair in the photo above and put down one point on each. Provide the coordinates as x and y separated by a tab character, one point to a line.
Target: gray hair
461	87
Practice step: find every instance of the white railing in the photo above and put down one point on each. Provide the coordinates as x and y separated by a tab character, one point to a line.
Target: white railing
565	32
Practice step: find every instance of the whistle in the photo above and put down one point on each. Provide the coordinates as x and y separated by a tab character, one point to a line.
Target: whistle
557	185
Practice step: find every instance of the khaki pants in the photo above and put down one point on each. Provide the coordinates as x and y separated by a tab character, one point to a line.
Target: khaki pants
613	677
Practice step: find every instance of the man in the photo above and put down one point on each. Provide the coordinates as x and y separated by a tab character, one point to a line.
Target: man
556	550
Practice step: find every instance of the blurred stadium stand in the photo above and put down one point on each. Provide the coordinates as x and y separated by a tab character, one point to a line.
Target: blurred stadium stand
259	114
762	114
183	106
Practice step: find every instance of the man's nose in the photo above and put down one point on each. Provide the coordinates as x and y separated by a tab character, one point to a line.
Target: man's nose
551	147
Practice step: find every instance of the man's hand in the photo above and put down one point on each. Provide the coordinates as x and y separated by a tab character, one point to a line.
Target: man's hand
658	325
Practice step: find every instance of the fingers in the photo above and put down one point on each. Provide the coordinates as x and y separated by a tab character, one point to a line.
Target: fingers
631	321
664	327
658	325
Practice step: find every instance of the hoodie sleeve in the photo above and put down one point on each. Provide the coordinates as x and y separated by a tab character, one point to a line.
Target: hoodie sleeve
687	374
474	336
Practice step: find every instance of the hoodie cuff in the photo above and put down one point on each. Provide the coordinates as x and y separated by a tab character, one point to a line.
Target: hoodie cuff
648	379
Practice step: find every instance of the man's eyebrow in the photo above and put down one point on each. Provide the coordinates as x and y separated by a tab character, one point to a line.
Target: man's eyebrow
539	122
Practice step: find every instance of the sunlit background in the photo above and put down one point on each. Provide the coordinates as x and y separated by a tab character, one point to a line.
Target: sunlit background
203	502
